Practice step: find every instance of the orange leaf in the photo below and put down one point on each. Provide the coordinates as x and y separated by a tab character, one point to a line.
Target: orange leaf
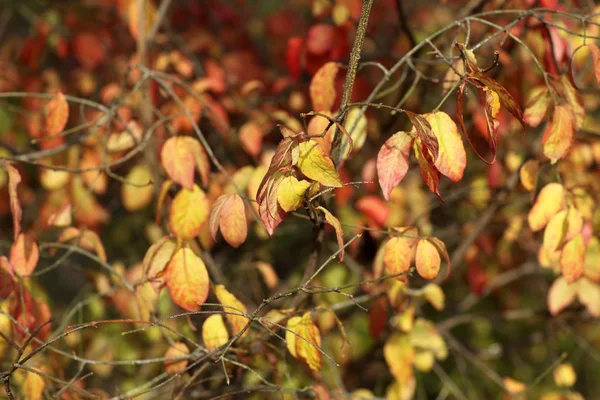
560	295
214	332
24	255
251	138
424	133
430	174
86	239
452	158
572	259
397	256
33	386
427	259
14	178
271	214
58	114
595	58
215	215
392	161
156	259
188	212
234	309
234	226
187	280
268	273
339	232
322	89
558	135
180	155
6	278
178	349
537	107
548	203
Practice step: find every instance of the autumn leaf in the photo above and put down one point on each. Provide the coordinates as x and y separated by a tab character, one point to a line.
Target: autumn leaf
423	133
214	332
7	278
537	107
133	17
503	96
235	310
435	296
574	101
529	174
232	221
62	218
430	174
572	259
177	349
188	212
251	137
86	239
339	232
356	126
588	294
180	155
156	260
24	255
399	355
392	161
564	375
33	386
269	211
303	340
564	226
549	202
452	158
322	89
290	193
57	115
397	256
14	178
137	190
427	260
595	51
268	273
558	136
316	165
187	280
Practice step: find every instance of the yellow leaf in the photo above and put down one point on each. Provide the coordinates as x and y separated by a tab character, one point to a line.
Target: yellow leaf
188	212
558	135
572	259
156	259
529	174
564	226
290	193
564	375
233	310
137	189
268	273
133	16
452	158
178	349
14	178
214	332
537	107
588	294
427	260
62	218
339	232
24	255
435	296
513	386
234	226
560	295
33	386
399	355
86	239
397	256
180	155
426	336
308	342
314	163
548	203
356	126
290	336
187	280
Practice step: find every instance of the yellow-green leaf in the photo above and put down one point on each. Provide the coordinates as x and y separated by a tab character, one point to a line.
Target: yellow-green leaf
290	193
452	158
315	164
214	332
188	212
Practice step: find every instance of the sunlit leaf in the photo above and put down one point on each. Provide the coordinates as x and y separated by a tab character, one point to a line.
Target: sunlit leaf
430	174
86	239
356	126
214	332
392	161
564	375
180	155
549	202
513	386
14	178
33	386
156	260
399	355
234	226
315	164
588	294
188	212
137	190
452	158
177	349
187	280
435	296
558	135
529	174
427	260
268	207
307	342
537	107
24	255
322	89
235	310
290	193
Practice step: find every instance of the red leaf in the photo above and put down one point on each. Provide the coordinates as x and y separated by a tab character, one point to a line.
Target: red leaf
293	56
14	178
424	132
392	161
430	173
320	38
58	114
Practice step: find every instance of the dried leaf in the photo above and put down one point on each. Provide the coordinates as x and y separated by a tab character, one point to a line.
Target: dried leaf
322	89
339	232
452	158
187	280
424	133
315	164
177	349
558	135
58	114
549	202
214	332
430	174
392	161
188	212
427	260
235	310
